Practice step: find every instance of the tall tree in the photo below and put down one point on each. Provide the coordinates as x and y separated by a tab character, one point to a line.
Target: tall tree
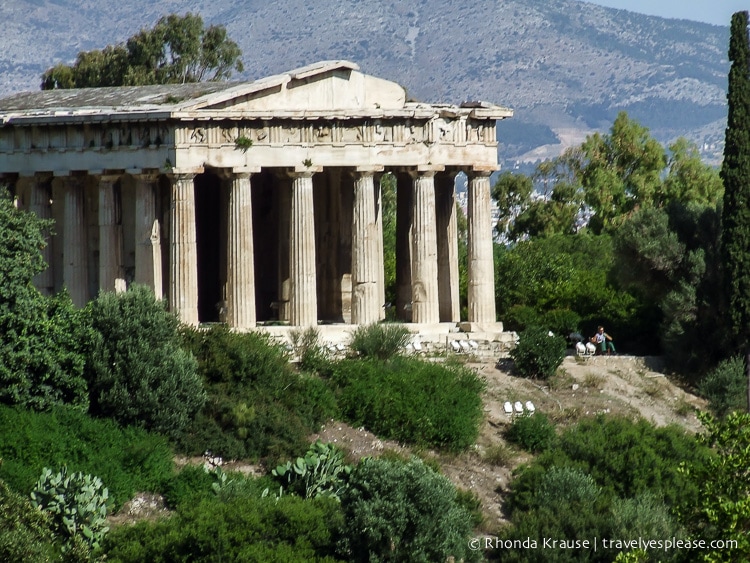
735	173
178	49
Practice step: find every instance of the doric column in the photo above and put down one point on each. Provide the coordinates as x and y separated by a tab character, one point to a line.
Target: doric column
481	268
148	261
183	250
447	243
425	308
240	254
303	299
75	253
40	204
366	261
111	277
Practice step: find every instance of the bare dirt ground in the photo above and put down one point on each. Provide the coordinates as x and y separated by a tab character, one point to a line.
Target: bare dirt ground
617	385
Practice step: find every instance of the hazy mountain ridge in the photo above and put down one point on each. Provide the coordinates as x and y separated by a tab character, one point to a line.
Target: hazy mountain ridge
562	64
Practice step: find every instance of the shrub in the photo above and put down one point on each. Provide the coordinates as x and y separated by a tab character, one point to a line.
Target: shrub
565	486
78	504
412	401
380	340
41	356
257	404
287	530
725	387
538	354
25	533
624	458
396	511
534	433
137	372
312	356
127	460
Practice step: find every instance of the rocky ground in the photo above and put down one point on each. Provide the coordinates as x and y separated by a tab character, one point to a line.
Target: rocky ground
617	385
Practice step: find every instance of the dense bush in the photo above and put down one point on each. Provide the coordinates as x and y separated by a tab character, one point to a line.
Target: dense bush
533	433
248	529
568	504
538	354
127	460
624	458
137	372
41	349
725	387
25	532
395	511
412	401
257	404
380	340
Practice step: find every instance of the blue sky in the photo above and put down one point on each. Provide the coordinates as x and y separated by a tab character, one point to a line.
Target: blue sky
718	12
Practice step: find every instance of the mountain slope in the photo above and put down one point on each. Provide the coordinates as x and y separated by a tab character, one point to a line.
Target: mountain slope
563	65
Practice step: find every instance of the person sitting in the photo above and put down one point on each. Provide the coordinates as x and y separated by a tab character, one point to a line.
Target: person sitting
604	341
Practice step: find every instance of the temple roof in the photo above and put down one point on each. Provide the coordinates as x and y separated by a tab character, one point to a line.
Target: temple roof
323	89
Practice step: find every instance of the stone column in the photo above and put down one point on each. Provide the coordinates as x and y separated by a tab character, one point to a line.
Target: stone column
425	307
240	254
148	263
111	276
41	205
303	300
183	250
366	261
481	268
75	267
447	243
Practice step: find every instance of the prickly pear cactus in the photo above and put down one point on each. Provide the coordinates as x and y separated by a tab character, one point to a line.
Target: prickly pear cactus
78	504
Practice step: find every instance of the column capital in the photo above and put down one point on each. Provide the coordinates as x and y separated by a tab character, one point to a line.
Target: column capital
481	171
303	171
237	172
425	170
369	169
181	176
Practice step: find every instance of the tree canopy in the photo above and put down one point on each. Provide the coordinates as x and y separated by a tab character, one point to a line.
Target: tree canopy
735	172
177	50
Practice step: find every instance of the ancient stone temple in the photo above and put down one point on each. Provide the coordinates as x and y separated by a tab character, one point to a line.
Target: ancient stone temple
258	201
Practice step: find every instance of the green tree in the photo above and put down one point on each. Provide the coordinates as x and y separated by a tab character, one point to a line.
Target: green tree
512	192
41	356
689	179
722	510
735	173
177	50
618	172
396	511
138	374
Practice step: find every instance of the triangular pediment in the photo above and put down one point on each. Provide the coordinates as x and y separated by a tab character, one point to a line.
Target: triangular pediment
323	86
